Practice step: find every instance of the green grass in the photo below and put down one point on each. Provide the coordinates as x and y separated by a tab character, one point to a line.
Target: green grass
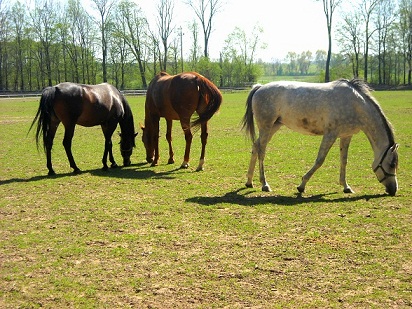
162	237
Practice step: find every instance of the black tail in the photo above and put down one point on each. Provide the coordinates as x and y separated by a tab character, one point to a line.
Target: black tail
43	116
208	90
248	123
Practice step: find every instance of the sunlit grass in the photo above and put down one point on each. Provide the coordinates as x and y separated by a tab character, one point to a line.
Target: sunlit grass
163	237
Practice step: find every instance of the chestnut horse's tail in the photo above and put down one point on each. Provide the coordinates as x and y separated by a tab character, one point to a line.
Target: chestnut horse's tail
213	98
248	123
44	114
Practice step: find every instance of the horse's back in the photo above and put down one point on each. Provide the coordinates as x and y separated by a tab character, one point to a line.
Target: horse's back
308	108
173	96
87	105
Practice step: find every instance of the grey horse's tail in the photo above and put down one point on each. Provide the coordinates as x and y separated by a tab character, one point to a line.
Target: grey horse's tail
248	123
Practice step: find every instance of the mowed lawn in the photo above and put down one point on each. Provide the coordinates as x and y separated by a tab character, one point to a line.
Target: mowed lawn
162	237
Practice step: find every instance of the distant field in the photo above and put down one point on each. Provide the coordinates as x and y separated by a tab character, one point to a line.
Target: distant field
301	78
143	237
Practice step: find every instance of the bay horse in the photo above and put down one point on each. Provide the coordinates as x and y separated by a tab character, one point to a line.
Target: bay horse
178	97
88	106
338	109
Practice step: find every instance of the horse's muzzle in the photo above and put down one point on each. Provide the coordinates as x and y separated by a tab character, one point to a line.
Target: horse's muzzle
391	189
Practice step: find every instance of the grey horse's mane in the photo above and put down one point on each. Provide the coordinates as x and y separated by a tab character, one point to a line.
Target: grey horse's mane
365	91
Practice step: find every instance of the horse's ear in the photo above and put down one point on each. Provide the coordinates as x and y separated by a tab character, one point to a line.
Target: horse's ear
394	147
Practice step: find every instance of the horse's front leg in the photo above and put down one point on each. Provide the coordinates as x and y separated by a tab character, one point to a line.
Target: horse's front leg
108	151
203	138
67	143
324	148
188	139
155	142
344	146
169	124
108	130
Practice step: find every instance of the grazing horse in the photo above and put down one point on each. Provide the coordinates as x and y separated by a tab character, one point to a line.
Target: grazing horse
337	109
86	105
177	97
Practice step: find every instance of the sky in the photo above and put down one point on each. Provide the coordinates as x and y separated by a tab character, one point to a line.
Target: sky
289	25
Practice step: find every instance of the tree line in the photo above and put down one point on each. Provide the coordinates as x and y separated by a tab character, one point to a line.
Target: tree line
48	42
375	36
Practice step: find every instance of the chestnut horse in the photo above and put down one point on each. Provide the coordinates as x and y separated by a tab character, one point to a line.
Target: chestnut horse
86	105
337	109
178	97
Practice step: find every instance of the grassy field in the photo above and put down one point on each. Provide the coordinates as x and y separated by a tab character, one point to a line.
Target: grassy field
143	237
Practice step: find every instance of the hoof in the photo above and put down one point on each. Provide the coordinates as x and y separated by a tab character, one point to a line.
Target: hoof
249	185
51	173
171	161
105	168
300	189
153	164
266	188
77	171
199	169
184	165
348	190
114	165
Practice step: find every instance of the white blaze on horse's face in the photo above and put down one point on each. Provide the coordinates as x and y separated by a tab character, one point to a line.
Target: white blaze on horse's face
385	169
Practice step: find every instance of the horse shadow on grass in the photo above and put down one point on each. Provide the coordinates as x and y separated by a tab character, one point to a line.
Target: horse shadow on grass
241	197
134	171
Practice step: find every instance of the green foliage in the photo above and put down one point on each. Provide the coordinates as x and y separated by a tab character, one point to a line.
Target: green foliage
162	237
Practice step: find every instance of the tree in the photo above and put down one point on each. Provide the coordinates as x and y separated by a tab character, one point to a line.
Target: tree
292	66
329	7
304	61
4	33
405	30
18	19
165	28
104	7
205	10
366	8
195	48
350	38
135	34
320	59
238	56
43	22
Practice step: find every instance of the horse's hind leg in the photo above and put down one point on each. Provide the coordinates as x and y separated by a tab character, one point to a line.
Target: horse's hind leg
203	138
49	145
344	146
188	138
252	164
169	124
67	143
259	152
324	148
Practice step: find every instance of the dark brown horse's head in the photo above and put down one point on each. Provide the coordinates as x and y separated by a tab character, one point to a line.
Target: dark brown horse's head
127	143
148	144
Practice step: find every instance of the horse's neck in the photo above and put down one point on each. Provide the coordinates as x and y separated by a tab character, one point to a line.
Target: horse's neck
127	125
375	128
